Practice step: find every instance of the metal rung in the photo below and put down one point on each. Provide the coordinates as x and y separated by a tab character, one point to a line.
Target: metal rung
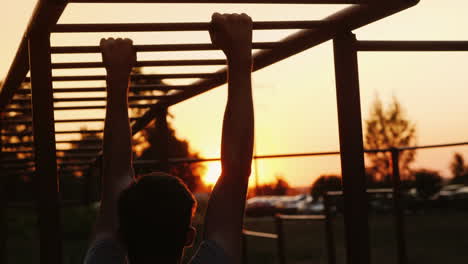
22	151
81	149
73	65
301	217
17	122
60	170
16	160
412	46
228	1
185	26
133	77
91	99
158	47
259	234
79	131
76	163
94	107
30	133
133	88
29	144
77	156
72	108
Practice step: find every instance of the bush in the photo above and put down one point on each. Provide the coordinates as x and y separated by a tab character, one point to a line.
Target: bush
427	183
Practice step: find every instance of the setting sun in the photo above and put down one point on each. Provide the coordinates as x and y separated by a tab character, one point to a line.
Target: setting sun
212	174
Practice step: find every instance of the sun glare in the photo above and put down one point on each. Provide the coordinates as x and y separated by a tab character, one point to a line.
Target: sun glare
212	174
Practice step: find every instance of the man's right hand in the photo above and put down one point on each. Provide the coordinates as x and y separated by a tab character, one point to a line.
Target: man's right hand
232	33
118	56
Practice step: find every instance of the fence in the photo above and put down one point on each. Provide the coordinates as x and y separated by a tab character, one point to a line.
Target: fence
327	217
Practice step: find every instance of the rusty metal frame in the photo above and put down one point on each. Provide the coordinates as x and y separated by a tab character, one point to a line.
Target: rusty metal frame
44	22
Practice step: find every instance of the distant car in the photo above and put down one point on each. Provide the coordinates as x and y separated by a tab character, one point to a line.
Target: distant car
290	204
445	197
261	206
311	207
270	205
460	198
447	192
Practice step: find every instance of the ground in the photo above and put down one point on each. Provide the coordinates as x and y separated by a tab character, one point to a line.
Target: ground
435	237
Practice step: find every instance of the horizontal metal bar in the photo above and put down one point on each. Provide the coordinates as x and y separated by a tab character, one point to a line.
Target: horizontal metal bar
19	168
73	65
130	98
259	234
94	150
158	47
434	146
17	134
133	88
68	156
133	77
31	172
301	217
413	46
16	160
45	15
345	20
29	144
88	159
17	122
77	163
92	99
73	108
18	151
81	149
227	1
184	26
79	131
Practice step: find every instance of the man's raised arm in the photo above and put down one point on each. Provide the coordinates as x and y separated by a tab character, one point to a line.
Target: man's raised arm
225	213
119	57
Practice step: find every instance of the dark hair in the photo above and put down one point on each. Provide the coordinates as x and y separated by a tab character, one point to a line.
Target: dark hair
155	214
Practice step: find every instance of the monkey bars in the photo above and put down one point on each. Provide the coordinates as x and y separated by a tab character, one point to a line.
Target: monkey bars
18	104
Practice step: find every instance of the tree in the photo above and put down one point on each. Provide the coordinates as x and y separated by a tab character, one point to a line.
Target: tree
458	165
459	169
19	173
324	184
148	142
386	128
74	183
427	183
190	173
280	187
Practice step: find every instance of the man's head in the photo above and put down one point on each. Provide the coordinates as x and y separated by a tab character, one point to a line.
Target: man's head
155	216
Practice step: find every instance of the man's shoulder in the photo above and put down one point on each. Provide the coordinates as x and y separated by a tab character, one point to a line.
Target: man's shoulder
106	251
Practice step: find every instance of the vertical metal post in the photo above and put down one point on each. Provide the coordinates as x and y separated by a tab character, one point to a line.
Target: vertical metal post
398	209
87	187
162	129
329	236
352	150
46	177
280	240
244	248
3	208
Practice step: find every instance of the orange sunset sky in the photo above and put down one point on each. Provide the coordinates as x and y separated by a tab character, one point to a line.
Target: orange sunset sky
295	100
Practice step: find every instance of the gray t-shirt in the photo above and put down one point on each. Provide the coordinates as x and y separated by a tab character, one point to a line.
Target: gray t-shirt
108	251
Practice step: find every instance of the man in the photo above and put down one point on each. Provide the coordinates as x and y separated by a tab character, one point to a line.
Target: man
149	220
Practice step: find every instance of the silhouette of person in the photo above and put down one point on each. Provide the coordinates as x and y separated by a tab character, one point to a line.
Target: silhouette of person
149	219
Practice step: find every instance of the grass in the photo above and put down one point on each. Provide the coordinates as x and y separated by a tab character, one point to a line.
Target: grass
434	237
